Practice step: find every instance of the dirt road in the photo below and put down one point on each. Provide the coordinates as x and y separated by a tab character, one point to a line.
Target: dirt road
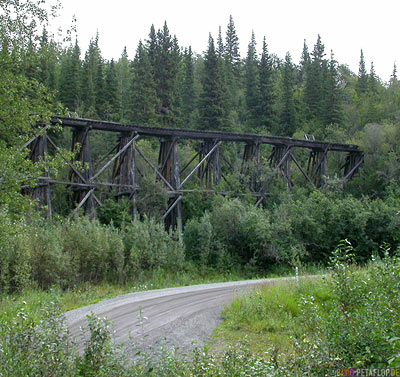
183	317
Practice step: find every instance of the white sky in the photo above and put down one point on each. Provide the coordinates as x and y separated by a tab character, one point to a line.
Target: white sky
346	26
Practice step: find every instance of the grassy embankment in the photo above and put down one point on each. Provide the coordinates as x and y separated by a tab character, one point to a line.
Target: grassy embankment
347	319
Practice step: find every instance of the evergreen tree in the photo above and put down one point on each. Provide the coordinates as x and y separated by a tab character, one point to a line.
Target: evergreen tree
305	62
288	112
315	88
112	100
70	90
164	56
373	81
144	102
362	82
394	73
48	61
188	93
100	87
90	82
212	101
232	54
232	69
333	108
267	113
252	82
220	44
124	78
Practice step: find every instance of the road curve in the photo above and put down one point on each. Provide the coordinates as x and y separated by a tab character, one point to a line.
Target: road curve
183	317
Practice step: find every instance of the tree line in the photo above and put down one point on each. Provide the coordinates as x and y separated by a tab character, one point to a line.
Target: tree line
167	85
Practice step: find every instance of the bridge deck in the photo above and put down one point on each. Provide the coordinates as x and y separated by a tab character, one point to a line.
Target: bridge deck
202	135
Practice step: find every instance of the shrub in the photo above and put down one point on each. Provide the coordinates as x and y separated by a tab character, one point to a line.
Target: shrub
15	253
95	250
148	246
51	265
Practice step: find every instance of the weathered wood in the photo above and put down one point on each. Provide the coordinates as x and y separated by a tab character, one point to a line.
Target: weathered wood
201	135
153	167
208	167
122	150
81	137
200	164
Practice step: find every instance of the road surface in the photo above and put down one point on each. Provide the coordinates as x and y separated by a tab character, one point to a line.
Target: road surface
182	317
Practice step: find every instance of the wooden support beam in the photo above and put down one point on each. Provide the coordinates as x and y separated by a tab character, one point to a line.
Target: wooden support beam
301	170
350	174
153	167
200	164
114	158
172	206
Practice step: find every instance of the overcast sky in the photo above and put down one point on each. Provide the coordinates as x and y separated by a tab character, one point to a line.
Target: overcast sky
345	26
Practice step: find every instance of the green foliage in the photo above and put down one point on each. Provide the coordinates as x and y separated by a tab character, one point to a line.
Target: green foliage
15	245
113	212
149	247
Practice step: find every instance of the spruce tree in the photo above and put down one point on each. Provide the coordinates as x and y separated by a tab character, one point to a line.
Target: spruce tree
89	78
314	91
188	93
288	111
124	78
144	101
252	82
333	107
213	97
266	111
373	81
70	89
232	54
394	73
362	82
100	101
164	56
112	100
232	69
220	44
305	62
48	59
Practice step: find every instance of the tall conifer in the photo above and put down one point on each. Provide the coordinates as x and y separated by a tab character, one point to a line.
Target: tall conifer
288	111
144	101
212	101
267	113
252	82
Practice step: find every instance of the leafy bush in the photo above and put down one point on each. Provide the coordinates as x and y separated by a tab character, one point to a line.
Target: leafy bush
356	328
50	264
15	268
148	246
96	251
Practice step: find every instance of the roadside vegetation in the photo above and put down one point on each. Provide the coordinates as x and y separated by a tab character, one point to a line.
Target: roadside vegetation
347	319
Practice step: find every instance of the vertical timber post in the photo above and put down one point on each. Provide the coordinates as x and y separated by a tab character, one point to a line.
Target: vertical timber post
354	161
176	184
41	193
251	153
81	137
169	168
210	172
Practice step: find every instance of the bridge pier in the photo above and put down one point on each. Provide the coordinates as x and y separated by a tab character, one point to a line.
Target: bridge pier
41	193
82	196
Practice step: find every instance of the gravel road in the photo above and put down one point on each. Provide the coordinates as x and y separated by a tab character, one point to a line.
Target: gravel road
182	317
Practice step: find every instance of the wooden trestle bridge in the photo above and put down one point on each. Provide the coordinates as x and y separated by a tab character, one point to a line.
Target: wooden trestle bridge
207	164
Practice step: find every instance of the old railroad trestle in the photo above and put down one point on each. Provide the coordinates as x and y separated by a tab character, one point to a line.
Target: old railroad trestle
206	164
